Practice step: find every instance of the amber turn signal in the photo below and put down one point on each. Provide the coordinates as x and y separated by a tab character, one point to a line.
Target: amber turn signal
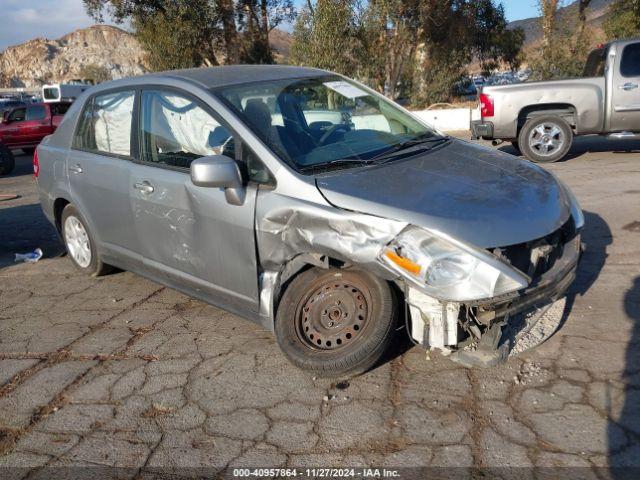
403	262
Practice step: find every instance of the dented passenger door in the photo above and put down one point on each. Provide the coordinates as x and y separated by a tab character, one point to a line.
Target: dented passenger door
191	237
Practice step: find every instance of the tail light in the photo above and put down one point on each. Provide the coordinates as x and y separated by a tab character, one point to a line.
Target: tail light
486	105
36	164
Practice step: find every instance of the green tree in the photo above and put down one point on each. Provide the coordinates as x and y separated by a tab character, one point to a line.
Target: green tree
191	33
457	32
567	41
624	20
326	35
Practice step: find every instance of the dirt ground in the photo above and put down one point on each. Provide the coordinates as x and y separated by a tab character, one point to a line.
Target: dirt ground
122	372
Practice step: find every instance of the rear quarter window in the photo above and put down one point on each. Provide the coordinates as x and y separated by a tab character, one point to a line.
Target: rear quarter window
104	125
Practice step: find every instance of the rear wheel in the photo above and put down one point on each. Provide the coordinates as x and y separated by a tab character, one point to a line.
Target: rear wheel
336	322
80	244
545	139
7	162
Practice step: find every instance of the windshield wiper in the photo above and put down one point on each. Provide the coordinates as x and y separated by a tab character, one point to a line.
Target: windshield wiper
336	163
407	144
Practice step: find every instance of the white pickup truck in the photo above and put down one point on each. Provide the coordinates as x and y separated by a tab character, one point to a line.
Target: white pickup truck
541	118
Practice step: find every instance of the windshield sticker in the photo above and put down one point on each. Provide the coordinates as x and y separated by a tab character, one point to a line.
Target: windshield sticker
346	89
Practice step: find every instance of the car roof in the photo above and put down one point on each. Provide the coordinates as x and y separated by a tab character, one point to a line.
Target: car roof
213	77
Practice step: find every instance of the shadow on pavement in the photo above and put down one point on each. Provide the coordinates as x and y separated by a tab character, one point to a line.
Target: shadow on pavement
25	228
582	145
625	460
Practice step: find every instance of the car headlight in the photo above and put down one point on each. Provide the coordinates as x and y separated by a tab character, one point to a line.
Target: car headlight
449	270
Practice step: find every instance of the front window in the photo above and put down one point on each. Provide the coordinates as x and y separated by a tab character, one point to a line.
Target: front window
317	123
176	129
36	112
17	115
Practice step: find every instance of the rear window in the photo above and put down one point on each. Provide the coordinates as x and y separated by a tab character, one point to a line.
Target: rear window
51	93
36	112
104	125
596	61
630	64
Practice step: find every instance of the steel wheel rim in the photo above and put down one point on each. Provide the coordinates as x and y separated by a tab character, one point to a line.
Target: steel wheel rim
333	316
77	240
546	139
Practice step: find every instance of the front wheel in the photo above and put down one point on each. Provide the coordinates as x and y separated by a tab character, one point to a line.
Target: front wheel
80	244
336	322
545	139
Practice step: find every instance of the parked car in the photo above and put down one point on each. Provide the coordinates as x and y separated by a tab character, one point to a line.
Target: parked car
24	127
227	184
541	118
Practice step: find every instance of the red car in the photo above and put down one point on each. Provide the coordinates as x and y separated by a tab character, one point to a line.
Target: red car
24	127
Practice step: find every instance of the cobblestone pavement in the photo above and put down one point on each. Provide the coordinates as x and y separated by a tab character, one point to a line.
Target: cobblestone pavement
120	371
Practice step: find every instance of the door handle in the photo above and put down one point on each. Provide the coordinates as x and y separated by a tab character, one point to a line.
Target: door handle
144	187
628	86
75	168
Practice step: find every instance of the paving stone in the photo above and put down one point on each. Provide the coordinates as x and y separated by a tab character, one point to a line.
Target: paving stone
37	391
9	368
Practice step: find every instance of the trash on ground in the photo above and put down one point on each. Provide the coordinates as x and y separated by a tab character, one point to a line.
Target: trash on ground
31	257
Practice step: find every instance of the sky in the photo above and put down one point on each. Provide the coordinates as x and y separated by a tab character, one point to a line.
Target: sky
23	20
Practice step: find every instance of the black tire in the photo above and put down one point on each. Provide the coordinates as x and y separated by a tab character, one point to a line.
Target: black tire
554	134
352	312
7	162
95	267
28	151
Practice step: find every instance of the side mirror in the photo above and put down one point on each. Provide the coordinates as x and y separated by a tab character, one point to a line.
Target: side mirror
219	171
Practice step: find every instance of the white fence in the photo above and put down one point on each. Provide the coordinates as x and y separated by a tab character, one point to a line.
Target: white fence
449	119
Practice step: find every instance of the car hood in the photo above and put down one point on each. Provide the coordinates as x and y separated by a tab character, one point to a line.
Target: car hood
475	194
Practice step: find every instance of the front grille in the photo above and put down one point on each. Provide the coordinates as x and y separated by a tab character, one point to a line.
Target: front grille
536	257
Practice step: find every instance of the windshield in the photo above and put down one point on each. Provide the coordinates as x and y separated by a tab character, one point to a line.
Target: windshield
324	121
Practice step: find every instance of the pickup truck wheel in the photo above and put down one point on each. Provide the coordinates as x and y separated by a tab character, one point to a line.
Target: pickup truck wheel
336	322
545	139
7	162
80	245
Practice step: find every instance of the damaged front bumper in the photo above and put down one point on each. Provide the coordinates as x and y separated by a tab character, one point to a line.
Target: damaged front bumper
454	327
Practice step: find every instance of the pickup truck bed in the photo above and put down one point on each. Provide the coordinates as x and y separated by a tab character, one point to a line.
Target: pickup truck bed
24	128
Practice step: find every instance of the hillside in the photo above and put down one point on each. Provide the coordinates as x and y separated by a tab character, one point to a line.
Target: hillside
41	61
596	14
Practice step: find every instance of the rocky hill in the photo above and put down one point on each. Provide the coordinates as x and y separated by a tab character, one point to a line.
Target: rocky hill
41	61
